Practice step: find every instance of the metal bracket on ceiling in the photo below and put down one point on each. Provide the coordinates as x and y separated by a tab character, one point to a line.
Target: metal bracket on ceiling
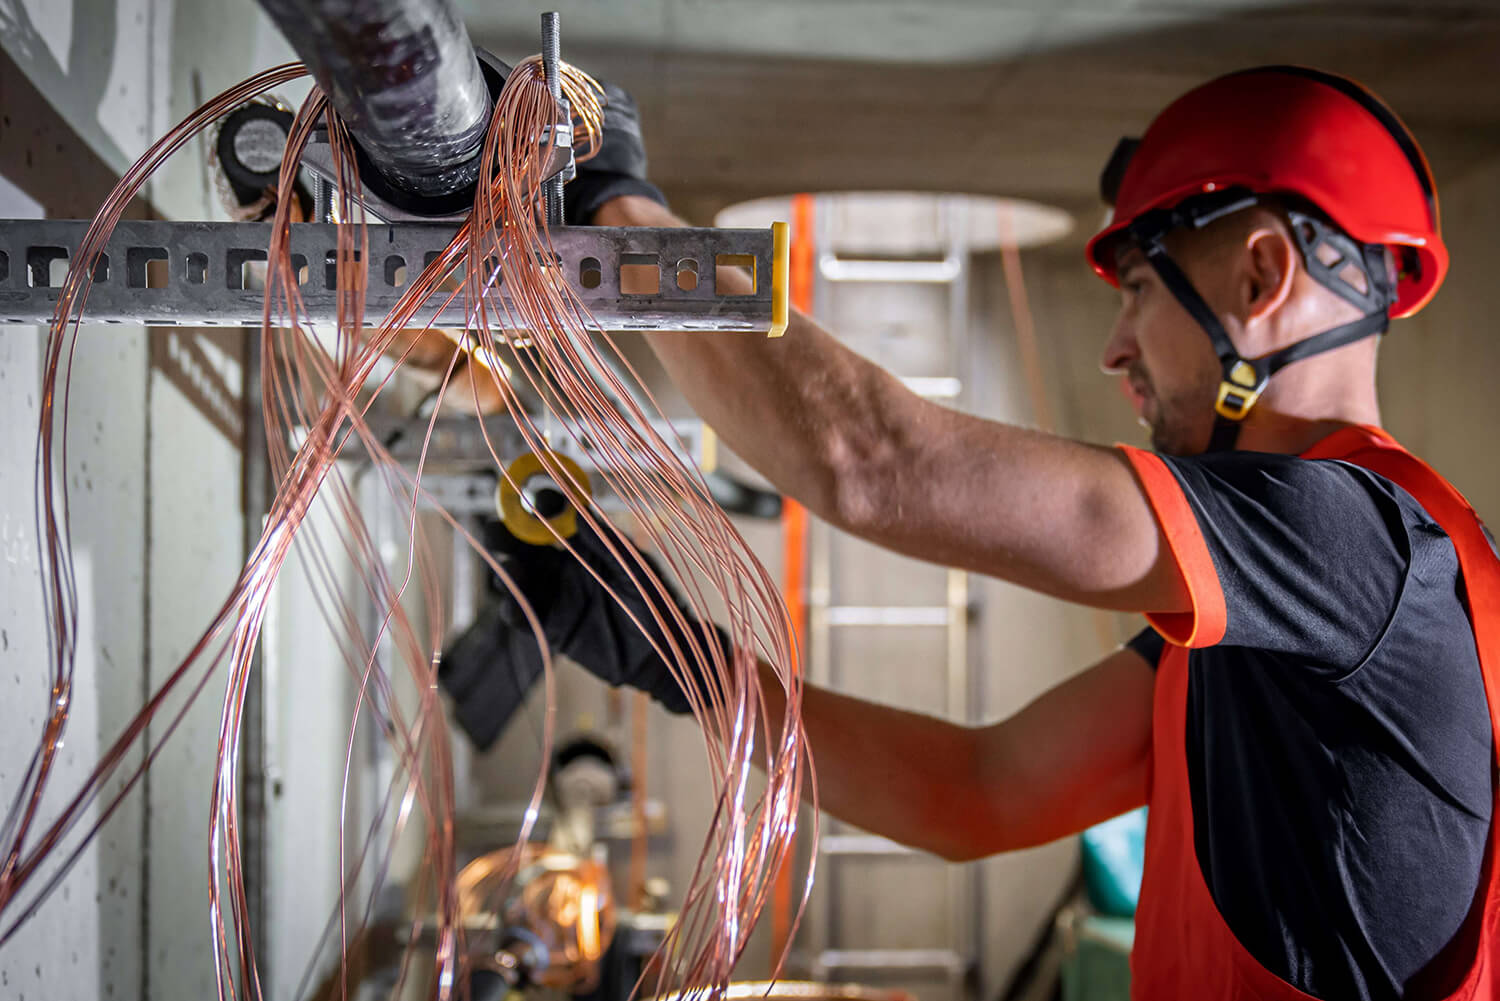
391	205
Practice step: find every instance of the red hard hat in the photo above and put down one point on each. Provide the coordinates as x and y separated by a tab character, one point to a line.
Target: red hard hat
1288	130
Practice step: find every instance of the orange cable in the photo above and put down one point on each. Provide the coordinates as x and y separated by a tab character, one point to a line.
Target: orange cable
1031	364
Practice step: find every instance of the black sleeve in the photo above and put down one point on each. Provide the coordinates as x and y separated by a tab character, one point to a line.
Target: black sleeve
1149	644
488	670
1311	556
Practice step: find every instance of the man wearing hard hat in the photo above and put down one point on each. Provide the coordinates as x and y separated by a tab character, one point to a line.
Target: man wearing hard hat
1310	715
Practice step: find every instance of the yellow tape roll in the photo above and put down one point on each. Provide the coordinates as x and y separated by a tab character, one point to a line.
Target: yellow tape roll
524	523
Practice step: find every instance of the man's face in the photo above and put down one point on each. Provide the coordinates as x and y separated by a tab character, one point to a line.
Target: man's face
1167	364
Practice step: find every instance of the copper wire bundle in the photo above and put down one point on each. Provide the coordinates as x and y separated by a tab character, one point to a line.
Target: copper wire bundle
317	390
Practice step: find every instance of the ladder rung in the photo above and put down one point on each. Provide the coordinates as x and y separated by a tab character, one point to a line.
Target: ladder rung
941	272
934	387
889	615
861	844
944	961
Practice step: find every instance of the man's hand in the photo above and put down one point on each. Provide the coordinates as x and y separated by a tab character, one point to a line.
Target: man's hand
618	169
582	621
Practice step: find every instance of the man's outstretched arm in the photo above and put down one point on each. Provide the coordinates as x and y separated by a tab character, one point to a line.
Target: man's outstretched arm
1076	756
847	439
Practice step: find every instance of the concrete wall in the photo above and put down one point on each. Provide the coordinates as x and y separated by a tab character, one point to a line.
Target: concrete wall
87	940
155	492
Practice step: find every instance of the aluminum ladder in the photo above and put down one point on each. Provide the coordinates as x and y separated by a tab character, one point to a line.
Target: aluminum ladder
843	850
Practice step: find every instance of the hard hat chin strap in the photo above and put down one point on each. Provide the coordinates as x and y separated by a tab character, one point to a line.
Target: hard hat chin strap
1355	271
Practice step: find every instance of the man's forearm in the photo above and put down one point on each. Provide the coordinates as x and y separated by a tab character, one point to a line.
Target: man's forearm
898	774
1075	756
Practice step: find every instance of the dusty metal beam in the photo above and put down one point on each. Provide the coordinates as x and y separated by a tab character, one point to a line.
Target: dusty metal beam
205	274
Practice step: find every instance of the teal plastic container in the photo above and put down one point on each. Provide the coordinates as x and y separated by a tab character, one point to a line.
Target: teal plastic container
1114	855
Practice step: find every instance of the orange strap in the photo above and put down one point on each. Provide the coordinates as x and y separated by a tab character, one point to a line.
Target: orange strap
794	553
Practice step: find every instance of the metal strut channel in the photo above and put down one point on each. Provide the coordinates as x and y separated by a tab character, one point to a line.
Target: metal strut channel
207	274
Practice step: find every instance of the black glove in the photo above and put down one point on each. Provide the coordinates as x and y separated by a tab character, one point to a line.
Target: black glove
582	621
619	168
488	670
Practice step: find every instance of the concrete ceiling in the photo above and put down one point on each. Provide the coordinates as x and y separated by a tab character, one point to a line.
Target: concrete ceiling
742	98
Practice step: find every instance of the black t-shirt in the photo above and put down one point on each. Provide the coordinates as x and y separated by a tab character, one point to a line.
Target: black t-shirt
1338	736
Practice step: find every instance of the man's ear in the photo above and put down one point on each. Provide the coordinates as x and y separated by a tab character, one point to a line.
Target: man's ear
1270	265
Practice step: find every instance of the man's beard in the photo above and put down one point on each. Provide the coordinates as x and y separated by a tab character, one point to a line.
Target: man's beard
1175	423
1167	438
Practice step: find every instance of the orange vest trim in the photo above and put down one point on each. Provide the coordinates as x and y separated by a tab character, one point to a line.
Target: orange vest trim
1204	625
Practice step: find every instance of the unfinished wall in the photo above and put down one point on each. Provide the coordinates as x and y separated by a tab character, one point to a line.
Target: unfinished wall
87	940
155	487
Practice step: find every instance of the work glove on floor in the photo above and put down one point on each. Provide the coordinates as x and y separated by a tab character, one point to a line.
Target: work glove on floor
618	169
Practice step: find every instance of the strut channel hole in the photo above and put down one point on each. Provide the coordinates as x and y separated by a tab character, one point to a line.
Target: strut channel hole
245	270
46	267
640	274
146	267
395	271
589	273
723	263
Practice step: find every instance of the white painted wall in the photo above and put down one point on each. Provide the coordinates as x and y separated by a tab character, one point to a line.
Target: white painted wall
195	553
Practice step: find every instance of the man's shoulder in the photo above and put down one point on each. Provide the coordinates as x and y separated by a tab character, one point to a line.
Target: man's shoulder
1309	481
1291	489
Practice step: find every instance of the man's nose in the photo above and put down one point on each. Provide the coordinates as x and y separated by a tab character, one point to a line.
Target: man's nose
1120	350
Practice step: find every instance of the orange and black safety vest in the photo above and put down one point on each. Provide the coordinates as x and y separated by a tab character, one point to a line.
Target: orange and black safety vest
1183	947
